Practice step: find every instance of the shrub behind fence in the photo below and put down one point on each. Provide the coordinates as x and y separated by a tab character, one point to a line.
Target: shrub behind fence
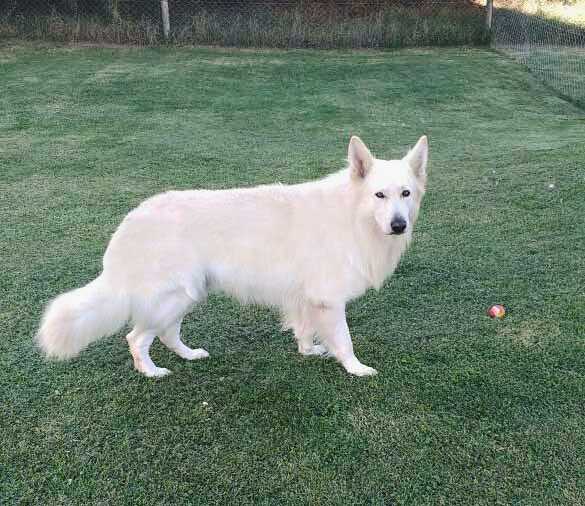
251	23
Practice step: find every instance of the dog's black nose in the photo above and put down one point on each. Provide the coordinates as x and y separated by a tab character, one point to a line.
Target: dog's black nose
398	225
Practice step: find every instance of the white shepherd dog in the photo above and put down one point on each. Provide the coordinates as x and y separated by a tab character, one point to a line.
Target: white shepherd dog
306	249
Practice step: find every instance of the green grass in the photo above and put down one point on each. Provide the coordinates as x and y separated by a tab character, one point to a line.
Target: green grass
465	410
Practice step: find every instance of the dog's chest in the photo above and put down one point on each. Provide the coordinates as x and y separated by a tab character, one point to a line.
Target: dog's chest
378	262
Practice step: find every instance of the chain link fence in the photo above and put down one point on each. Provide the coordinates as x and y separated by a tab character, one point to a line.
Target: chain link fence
548	37
249	23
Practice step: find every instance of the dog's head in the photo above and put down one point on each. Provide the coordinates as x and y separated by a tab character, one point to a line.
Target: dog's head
390	190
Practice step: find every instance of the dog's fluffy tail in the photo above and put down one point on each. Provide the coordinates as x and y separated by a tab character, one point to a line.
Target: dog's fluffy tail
75	319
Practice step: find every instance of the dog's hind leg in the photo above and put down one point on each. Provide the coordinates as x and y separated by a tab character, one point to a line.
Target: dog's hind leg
331	326
163	318
305	336
171	338
297	319
139	341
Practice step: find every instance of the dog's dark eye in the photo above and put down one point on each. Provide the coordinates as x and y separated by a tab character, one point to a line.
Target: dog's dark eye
405	193
380	195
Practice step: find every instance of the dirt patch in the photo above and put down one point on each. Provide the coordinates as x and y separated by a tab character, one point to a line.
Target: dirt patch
531	333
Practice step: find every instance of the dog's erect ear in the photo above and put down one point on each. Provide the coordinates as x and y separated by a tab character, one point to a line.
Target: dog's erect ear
417	158
359	157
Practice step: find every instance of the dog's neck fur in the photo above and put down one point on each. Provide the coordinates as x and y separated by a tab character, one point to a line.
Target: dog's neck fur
380	254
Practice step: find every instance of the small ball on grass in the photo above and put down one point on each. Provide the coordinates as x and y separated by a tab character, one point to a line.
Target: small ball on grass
496	311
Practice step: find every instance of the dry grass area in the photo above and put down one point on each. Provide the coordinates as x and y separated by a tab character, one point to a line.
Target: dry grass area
572	12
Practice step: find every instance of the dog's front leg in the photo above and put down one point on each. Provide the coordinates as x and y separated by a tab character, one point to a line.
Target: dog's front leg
333	330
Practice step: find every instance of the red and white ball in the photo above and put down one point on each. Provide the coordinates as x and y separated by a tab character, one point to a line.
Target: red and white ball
496	311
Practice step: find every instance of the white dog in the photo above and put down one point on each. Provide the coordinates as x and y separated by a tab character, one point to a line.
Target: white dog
306	249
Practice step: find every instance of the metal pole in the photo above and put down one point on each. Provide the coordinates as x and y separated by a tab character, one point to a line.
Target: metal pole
489	14
164	8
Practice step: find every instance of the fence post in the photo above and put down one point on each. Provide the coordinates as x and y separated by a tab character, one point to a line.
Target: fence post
489	14
164	8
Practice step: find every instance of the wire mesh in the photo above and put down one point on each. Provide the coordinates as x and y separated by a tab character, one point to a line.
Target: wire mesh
251	23
548	37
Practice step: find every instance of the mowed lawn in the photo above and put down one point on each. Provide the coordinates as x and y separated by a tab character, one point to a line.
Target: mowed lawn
465	409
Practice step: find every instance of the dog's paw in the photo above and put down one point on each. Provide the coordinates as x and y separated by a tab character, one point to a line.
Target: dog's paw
195	354
157	372
359	369
316	349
